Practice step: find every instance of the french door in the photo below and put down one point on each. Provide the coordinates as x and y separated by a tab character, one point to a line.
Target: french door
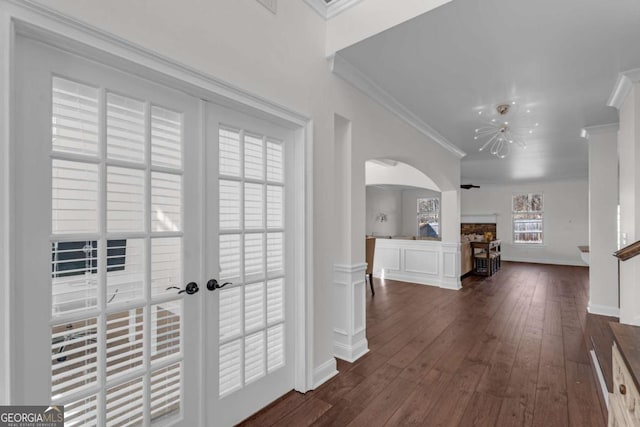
130	197
250	348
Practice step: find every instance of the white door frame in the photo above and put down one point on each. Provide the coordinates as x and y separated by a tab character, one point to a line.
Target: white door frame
39	22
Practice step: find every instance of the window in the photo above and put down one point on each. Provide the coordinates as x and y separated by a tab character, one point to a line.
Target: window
429	217
527	218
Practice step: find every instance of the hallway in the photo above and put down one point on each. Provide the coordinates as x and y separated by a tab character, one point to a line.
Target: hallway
504	351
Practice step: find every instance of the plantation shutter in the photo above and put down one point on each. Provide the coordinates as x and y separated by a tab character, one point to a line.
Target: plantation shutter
251	240
117	244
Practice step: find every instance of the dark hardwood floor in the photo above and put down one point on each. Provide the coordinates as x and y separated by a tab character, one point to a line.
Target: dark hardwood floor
509	350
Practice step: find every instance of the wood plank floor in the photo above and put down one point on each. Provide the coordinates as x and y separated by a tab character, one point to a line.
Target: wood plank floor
508	350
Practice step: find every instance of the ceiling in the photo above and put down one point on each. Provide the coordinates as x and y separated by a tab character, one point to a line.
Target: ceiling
560	59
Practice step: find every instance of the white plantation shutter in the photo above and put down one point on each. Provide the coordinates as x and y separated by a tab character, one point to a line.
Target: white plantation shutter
125	404
275	301
166	138
166	264
166	386
74	197
252	248
74	358
165	330
254	357
254	256
124	342
275	347
230	315
74	117
117	177
230	370
81	412
125	199
253	206
166	201
125	128
254	306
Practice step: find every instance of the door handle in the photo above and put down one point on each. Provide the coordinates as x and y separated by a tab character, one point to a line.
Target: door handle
190	289
213	284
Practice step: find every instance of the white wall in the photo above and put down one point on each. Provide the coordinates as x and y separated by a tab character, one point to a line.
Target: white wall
410	209
389	202
282	58
370	17
565	219
603	201
400	206
629	157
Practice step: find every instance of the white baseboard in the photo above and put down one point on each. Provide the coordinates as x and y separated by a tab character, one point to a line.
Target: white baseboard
324	372
351	353
603	310
446	283
571	262
603	384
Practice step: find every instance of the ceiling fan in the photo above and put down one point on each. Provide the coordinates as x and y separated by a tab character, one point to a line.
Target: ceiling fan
469	186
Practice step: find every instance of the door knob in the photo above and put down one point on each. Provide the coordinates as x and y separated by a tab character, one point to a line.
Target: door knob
213	284
190	289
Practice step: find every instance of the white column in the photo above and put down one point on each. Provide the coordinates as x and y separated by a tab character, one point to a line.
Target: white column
626	97
349	310
349	331
603	202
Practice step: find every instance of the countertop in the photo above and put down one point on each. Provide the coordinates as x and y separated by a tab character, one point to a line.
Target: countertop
627	338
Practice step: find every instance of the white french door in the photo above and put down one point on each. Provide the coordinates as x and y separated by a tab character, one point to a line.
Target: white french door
250	347
130	197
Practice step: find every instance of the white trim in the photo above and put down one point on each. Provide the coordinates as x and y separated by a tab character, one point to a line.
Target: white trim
349	72
351	353
325	372
328	11
603	310
587	131
571	262
623	86
40	22
444	283
351	269
6	312
304	373
601	381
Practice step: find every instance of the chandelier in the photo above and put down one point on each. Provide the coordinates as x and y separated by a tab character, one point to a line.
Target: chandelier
504	128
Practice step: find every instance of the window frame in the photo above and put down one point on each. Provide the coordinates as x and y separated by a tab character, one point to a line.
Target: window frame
529	195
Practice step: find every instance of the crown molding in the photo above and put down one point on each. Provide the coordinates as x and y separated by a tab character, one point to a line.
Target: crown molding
588	131
328	11
347	71
33	19
623	86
